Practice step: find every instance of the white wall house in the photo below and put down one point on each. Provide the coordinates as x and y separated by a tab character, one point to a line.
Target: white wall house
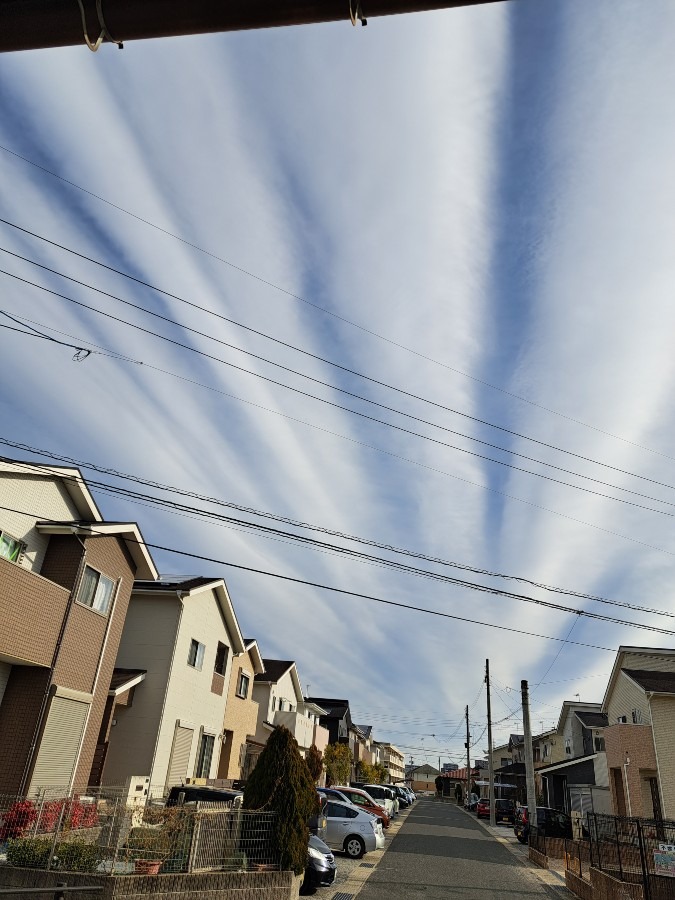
184	635
280	702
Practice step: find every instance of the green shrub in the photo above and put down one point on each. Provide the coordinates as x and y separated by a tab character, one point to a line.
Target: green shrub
148	839
29	853
282	783
70	856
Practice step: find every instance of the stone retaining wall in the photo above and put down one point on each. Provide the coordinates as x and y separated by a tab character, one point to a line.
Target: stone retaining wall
204	886
539	859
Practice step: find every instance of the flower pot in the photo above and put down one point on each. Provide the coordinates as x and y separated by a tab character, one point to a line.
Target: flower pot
147	866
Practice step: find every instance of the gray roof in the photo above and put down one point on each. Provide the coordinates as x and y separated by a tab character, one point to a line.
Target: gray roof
658	682
366	730
186	584
593	719
274	669
120	677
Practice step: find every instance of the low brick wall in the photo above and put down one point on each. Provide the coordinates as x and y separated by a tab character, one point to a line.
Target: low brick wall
203	886
539	859
578	886
555	848
607	888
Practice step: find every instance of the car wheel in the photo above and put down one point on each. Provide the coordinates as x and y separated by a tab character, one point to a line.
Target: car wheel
354	847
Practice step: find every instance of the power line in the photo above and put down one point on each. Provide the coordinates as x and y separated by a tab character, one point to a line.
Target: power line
323	309
323	587
115	489
358	412
319	358
121	358
350	553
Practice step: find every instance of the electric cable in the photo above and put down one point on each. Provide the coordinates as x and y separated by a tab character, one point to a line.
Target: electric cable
323	309
316	357
365	415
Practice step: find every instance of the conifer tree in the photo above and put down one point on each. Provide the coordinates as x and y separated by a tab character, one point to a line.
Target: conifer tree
281	783
315	762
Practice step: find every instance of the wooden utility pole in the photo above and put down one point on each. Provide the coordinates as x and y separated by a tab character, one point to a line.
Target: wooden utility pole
491	768
468	760
529	761
31	24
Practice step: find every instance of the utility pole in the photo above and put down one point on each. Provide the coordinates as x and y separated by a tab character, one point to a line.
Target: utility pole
491	768
529	762
468	760
32	24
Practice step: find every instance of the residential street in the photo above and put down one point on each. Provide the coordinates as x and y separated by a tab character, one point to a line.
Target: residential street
442	852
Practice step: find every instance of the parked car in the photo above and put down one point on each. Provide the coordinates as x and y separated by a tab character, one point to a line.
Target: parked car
403	798
384	793
191	793
551	821
362	798
352	830
317	822
321	869
335	793
483	808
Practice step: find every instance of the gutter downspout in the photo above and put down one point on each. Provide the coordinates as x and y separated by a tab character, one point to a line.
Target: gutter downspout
625	776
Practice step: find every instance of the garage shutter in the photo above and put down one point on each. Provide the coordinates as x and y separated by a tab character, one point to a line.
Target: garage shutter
59	748
180	756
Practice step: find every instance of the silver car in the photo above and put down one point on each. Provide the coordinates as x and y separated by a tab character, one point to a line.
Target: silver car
352	829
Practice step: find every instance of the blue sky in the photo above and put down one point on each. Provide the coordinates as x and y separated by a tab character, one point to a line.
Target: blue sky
490	188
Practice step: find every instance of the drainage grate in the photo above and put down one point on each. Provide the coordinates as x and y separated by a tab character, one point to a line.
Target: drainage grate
367	865
343	896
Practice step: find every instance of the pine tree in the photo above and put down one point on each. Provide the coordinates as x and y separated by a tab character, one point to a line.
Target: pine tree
281	783
338	761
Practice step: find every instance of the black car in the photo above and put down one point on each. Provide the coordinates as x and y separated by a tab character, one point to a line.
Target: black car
192	793
321	869
403	796
552	823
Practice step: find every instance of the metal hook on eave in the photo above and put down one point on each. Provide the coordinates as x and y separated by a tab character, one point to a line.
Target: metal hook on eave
356	13
93	46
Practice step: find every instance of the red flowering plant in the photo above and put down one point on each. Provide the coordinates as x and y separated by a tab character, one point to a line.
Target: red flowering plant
17	820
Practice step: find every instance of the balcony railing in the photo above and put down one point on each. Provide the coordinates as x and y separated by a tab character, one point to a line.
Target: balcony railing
300	726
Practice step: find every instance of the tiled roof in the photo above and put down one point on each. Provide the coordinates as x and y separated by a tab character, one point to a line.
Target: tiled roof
121	676
366	730
274	669
516	739
658	682
593	719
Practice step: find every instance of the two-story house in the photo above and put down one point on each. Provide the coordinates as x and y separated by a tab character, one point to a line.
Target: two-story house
579	782
280	702
65	580
640	706
184	635
240	749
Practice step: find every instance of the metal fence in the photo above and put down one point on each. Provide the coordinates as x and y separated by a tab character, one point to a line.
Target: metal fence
639	851
537	839
578	857
106	833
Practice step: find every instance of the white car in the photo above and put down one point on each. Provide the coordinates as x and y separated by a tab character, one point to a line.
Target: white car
352	830
382	795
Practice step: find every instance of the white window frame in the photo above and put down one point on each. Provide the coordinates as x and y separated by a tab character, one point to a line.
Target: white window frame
111	597
200	649
5	536
243	694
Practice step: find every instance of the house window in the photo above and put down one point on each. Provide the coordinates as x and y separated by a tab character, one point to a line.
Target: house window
204	756
221	658
636	716
11	548
196	654
281	705
242	685
599	744
96	591
621	720
546	749
568	747
274	703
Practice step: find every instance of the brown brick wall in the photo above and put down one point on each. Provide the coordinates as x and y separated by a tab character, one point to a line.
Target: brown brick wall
19	713
637	741
607	888
31	612
579	887
62	560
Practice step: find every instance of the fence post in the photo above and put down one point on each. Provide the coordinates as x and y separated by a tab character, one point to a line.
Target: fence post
643	862
618	847
39	815
59	894
57	829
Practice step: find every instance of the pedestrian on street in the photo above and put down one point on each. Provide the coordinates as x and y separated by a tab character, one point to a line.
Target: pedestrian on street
439	786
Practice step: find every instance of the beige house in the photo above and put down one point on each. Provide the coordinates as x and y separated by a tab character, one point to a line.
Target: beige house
280	702
240	749
393	760
185	637
639	740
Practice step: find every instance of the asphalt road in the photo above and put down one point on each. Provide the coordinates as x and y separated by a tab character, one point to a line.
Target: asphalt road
441	853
